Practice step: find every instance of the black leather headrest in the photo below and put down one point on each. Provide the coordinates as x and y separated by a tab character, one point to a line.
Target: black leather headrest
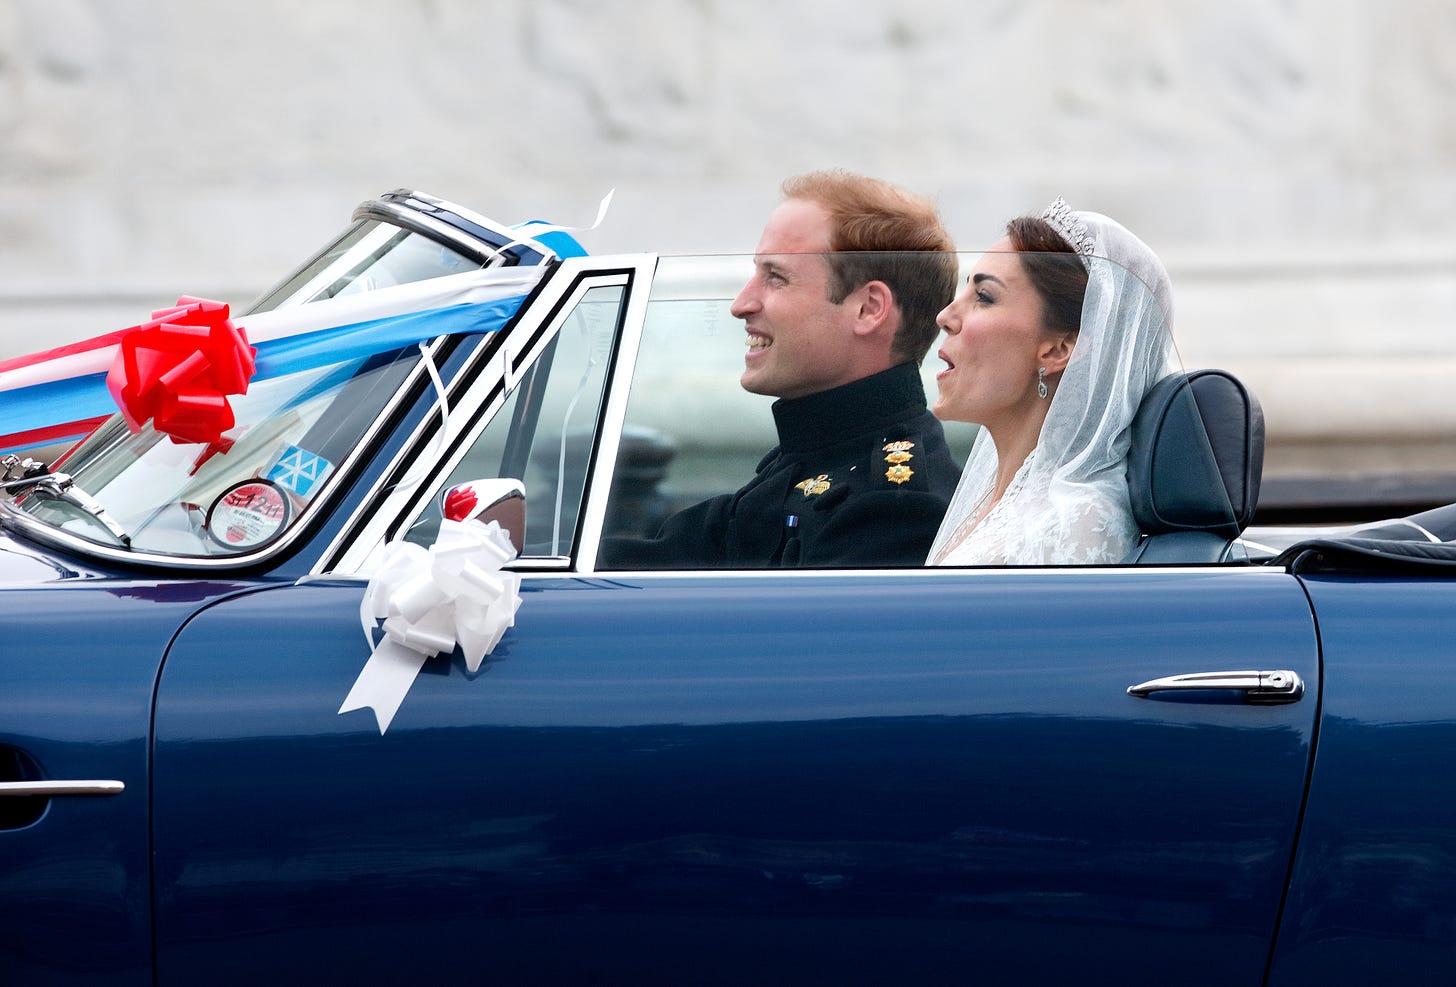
1197	455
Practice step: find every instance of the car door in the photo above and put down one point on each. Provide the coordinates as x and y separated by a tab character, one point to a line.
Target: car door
916	775
847	776
82	653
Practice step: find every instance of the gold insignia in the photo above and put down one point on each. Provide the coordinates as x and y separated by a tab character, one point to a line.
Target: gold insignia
901	446
814	485
899	473
899	457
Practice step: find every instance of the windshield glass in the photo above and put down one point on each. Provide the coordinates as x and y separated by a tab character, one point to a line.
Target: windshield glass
367	256
235	495
322	381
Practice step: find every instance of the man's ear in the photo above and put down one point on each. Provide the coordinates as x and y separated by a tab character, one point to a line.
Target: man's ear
1056	351
874	308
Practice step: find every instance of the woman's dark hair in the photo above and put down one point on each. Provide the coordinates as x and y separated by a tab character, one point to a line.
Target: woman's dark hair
1055	269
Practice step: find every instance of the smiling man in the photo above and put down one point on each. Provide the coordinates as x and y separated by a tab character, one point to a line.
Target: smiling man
848	277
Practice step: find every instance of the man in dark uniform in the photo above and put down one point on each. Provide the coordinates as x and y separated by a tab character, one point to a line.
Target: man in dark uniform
848	278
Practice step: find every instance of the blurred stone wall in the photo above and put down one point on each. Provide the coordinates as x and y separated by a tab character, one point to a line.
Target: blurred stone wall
1294	162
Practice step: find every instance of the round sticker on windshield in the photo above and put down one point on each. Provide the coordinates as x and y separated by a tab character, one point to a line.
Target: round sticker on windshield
249	514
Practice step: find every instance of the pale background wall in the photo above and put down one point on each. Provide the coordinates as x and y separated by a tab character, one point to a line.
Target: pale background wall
1294	161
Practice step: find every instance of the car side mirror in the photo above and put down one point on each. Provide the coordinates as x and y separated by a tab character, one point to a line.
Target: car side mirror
502	500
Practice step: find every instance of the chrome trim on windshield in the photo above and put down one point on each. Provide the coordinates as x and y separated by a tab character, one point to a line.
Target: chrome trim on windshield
428	226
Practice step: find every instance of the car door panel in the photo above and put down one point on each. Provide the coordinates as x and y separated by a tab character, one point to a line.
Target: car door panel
83	654
926	775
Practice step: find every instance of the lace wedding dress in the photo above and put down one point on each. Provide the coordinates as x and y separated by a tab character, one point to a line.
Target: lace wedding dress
1026	528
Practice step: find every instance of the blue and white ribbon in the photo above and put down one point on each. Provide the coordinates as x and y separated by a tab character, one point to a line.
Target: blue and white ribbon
72	387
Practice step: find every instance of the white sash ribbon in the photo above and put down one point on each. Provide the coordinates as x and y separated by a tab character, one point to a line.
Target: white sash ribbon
431	600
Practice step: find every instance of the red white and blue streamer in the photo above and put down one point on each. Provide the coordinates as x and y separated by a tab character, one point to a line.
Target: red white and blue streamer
61	394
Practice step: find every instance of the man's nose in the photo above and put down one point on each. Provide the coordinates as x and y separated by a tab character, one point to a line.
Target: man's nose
745	303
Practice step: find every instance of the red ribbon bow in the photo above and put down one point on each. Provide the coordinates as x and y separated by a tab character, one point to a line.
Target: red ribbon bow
178	369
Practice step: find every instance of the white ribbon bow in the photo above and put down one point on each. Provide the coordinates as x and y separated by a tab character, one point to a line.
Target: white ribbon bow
453	593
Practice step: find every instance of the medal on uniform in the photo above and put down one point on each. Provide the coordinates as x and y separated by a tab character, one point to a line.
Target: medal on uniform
814	485
898	454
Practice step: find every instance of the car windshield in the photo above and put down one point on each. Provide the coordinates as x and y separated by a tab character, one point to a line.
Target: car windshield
368	255
147	492
234	495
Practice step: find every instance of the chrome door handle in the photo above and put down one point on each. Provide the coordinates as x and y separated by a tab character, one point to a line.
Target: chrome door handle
49	789
1282	686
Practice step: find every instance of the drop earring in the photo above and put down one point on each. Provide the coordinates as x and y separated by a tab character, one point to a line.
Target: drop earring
1041	388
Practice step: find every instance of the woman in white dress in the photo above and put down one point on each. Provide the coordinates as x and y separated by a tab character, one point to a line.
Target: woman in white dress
1059	332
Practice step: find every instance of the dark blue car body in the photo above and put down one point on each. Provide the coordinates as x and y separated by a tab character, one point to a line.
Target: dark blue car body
912	776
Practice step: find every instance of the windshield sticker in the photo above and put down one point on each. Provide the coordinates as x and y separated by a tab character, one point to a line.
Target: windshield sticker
249	514
299	471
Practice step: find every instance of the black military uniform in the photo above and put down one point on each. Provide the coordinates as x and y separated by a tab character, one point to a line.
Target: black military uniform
861	477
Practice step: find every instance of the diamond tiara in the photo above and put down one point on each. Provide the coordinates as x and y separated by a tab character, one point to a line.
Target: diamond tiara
1060	218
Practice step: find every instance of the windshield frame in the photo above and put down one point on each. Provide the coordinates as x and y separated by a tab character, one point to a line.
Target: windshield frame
478	392
416	215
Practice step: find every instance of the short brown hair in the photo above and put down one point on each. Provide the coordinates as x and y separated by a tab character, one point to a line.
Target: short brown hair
879	232
1055	270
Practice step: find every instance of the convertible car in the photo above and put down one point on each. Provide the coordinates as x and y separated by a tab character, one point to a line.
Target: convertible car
1219	762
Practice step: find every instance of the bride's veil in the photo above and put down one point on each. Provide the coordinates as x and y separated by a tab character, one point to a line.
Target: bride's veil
1071	504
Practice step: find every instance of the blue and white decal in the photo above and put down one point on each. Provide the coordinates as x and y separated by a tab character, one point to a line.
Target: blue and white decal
299	471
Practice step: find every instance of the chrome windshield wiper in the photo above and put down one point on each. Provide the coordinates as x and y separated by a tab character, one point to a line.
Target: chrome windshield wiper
36	479
19	473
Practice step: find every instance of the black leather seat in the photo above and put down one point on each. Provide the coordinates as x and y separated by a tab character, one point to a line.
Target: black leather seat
1194	467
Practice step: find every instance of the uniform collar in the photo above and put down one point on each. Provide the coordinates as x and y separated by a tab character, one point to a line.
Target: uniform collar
864	405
